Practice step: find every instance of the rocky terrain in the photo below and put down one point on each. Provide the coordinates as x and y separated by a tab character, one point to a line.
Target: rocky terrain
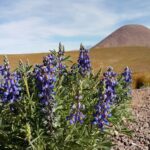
140	139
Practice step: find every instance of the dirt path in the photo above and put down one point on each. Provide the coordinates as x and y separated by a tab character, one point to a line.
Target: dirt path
141	137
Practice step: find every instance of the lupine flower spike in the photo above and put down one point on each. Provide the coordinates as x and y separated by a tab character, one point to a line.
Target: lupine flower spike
76	114
61	52
45	77
9	85
106	99
84	63
127	77
111	82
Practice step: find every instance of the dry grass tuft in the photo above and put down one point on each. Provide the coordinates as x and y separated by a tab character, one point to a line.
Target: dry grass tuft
141	80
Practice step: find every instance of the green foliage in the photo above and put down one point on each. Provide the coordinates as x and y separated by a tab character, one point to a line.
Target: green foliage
24	128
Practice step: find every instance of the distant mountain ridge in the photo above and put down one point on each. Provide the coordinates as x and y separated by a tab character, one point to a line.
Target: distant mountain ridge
127	36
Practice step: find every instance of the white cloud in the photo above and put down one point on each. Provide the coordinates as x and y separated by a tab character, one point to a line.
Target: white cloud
27	25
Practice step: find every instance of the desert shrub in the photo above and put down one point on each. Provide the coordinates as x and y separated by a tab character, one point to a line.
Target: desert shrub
51	106
141	80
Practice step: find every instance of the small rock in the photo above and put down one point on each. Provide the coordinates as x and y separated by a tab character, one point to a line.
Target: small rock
140	139
146	125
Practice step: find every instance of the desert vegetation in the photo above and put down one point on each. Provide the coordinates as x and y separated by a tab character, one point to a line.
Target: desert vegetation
51	105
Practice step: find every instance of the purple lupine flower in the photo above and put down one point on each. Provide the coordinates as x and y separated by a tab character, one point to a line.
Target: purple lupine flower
76	114
45	78
109	73
49	60
84	63
17	75
111	82
127	75
102	108
107	96
9	86
45	75
5	69
60	65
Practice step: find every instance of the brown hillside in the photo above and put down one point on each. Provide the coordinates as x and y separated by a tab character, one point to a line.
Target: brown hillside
138	58
128	35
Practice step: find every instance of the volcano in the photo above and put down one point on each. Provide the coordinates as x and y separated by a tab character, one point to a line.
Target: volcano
127	36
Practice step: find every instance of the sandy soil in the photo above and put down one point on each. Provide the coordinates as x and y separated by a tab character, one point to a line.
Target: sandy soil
140	139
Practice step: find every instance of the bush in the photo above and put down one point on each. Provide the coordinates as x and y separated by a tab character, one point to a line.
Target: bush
50	106
141	80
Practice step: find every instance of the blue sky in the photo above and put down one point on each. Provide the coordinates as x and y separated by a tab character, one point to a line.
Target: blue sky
28	26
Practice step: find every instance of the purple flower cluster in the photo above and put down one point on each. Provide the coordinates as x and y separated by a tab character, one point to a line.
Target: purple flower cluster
9	86
106	98
76	114
45	79
84	63
110	84
127	75
49	60
60	65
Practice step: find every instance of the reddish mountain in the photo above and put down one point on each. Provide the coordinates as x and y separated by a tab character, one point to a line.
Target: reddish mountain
128	35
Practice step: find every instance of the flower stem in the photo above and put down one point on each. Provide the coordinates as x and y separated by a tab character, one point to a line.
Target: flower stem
27	87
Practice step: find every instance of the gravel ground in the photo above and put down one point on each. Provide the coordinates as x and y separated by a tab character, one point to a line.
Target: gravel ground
140	139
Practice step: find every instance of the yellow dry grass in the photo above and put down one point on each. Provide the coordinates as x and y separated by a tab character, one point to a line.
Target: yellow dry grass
141	79
137	58
32	58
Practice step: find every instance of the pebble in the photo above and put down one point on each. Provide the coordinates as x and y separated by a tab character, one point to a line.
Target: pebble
140	139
